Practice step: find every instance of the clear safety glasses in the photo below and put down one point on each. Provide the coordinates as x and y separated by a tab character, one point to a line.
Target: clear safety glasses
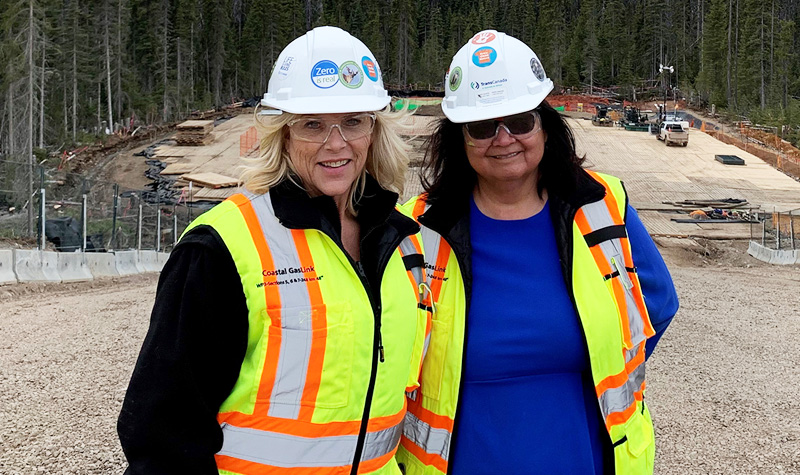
317	129
519	124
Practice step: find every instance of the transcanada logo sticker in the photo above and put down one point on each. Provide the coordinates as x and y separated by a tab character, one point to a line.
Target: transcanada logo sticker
325	74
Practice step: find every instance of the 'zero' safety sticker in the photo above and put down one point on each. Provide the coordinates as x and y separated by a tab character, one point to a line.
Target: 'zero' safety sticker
325	74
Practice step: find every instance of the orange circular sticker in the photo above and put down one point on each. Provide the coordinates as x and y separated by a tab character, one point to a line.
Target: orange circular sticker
483	37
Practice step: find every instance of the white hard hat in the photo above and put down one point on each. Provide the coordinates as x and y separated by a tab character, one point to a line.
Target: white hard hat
326	71
493	75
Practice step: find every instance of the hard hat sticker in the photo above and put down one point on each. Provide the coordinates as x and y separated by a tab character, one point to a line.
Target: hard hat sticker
285	66
325	74
370	68
537	69
485	99
455	78
483	57
351	75
483	37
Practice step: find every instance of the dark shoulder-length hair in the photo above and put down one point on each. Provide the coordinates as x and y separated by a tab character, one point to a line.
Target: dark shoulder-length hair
446	172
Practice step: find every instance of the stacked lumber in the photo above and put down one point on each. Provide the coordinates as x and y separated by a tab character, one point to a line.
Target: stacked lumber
195	132
211	180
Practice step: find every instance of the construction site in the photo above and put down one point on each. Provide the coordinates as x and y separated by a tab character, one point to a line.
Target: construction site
722	202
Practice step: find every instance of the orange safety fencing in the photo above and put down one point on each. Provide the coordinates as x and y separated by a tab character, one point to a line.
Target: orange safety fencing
248	142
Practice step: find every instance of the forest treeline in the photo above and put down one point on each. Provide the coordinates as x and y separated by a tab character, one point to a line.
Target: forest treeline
70	68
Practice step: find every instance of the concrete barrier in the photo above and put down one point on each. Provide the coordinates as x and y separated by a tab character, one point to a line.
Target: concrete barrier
149	261
162	259
773	256
783	257
36	266
126	262
102	264
72	267
7	275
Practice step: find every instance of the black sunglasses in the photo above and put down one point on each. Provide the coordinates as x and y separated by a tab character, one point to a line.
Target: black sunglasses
518	124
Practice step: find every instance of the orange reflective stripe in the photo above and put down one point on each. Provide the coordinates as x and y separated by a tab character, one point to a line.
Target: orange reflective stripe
366	466
613	381
246	467
319	324
634	363
613	208
617	418
428	459
605	269
272	295
437	421
305	428
441	265
419	206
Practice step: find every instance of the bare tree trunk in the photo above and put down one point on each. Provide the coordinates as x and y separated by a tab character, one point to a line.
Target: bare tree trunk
772	46
191	66
66	111
118	95
761	63
29	149
728	68
41	100
74	81
99	101
11	149
178	91
165	110
107	46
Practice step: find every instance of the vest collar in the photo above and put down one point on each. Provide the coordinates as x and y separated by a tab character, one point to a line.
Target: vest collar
295	209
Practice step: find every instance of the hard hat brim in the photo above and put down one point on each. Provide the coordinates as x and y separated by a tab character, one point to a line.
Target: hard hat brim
328	105
464	114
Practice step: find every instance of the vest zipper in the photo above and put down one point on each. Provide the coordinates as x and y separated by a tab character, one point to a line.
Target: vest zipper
377	348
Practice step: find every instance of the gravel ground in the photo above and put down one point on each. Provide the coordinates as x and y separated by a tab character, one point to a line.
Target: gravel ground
724	383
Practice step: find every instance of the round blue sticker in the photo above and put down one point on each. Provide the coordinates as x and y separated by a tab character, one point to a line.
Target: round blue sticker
325	74
483	57
370	68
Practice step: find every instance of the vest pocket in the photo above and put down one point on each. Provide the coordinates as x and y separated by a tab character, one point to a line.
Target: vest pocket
637	453
436	358
313	340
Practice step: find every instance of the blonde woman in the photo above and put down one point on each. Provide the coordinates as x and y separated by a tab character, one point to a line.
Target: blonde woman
288	323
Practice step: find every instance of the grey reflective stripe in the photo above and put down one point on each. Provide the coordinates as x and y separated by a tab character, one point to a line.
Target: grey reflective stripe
296	313
430	250
431	440
598	217
407	248
618	399
288	451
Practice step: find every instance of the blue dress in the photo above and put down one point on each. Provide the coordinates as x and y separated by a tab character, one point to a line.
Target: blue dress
528	403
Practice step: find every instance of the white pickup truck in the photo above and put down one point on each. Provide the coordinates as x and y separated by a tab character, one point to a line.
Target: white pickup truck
674	132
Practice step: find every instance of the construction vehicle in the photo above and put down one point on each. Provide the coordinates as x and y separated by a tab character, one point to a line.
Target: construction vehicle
601	116
674	132
633	119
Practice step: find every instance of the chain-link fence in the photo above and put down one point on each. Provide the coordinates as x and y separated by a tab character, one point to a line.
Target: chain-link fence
80	213
777	230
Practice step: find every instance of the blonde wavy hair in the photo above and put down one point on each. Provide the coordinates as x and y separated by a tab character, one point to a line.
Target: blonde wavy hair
387	157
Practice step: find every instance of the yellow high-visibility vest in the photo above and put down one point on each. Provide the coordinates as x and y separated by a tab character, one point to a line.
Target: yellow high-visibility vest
298	403
611	308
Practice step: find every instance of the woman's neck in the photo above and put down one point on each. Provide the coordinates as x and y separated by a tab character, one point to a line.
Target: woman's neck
507	201
351	234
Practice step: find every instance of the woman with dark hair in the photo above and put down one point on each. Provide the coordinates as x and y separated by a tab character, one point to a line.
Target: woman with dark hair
549	293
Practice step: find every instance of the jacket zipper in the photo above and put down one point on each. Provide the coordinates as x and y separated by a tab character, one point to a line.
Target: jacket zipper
377	350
